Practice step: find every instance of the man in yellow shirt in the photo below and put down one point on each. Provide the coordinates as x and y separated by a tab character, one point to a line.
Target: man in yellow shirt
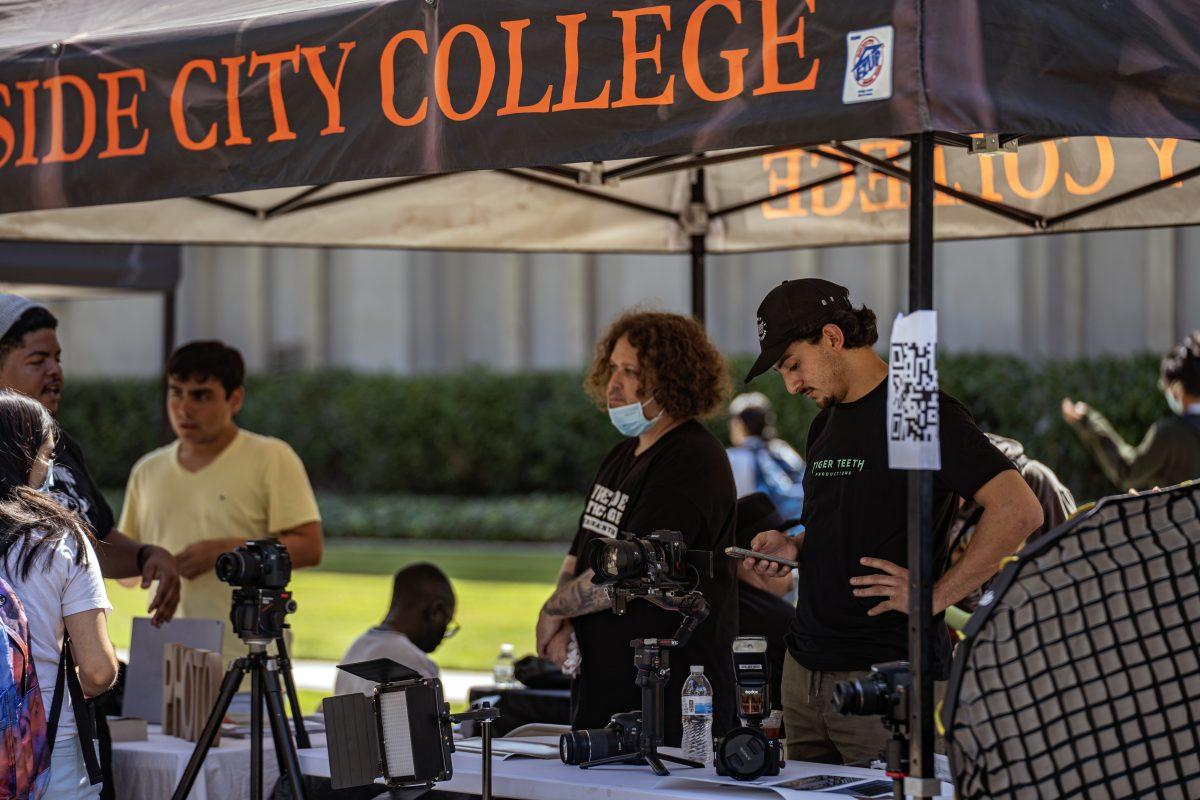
217	486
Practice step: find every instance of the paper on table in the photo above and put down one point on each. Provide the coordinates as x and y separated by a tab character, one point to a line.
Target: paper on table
801	780
505	748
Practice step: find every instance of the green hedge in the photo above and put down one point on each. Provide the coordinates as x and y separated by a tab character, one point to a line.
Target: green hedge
482	434
522	518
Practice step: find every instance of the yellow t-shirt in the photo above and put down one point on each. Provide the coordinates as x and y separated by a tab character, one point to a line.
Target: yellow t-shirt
255	488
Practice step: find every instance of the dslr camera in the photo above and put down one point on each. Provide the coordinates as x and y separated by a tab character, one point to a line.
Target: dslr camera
747	752
883	692
658	563
259	571
618	737
261	563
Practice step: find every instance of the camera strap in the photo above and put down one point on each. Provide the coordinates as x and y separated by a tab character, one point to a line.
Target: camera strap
79	705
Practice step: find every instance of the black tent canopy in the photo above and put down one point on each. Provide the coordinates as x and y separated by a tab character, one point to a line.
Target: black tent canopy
710	126
582	127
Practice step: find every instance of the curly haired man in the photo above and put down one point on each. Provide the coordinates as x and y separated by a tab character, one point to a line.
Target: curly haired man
657	375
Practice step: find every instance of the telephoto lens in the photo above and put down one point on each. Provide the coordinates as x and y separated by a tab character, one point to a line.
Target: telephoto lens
620	736
881	692
861	697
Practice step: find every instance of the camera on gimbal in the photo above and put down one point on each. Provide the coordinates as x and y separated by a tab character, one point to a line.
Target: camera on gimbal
639	566
259	570
883	692
747	752
659	569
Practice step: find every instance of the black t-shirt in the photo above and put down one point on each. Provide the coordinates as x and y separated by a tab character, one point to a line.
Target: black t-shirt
74	488
856	507
763	614
682	483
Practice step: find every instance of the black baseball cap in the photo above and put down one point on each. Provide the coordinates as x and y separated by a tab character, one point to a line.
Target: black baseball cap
792	308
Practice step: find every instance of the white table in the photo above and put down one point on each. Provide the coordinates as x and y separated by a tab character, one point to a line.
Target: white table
151	770
543	779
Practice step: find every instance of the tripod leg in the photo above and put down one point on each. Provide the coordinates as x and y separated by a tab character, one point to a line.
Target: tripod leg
623	758
285	749
256	734
682	761
229	687
656	764
289	684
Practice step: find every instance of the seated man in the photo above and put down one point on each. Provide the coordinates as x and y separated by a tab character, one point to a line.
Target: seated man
417	621
762	611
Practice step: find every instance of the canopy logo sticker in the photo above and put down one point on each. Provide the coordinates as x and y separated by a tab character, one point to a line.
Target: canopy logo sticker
868	65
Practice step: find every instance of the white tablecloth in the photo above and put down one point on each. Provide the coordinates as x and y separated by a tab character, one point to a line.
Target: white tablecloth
150	770
544	779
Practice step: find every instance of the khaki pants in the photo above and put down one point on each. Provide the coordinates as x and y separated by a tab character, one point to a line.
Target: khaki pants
815	732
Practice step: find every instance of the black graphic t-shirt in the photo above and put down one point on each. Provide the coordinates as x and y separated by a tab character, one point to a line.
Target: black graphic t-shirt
74	488
682	483
856	507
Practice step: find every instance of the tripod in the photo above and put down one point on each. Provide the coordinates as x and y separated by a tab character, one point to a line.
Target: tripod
650	656
264	672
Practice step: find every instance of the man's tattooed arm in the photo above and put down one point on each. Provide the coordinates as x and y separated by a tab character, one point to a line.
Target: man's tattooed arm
576	597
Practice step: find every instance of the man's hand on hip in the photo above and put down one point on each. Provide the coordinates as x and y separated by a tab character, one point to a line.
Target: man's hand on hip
892	583
159	565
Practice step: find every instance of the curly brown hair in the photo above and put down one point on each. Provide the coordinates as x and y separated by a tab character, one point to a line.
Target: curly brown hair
682	366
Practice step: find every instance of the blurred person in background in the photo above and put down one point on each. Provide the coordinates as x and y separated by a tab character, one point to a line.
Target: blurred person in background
217	486
419	618
1169	453
761	461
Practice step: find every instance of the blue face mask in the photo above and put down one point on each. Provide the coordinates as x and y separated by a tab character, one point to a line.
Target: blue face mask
631	420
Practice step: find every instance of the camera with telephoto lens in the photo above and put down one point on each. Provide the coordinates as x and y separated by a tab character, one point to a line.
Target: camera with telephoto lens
262	563
747	752
883	692
618	737
259	570
637	566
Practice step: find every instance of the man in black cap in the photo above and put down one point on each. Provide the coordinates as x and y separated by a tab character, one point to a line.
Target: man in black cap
853	589
762	611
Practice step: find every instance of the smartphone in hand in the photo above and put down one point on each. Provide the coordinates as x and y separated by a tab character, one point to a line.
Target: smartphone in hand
741	552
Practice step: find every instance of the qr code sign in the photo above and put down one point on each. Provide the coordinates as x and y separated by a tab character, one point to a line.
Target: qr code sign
913	436
914	374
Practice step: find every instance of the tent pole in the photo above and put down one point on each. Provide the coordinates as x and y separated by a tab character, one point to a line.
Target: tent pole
699	246
920	489
165	434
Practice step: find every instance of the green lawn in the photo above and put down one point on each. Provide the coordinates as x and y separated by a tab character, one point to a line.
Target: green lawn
499	588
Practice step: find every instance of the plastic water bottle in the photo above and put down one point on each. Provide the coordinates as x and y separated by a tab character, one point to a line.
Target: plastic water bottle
698	717
503	670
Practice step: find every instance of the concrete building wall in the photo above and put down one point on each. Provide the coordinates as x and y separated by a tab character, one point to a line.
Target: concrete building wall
405	312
